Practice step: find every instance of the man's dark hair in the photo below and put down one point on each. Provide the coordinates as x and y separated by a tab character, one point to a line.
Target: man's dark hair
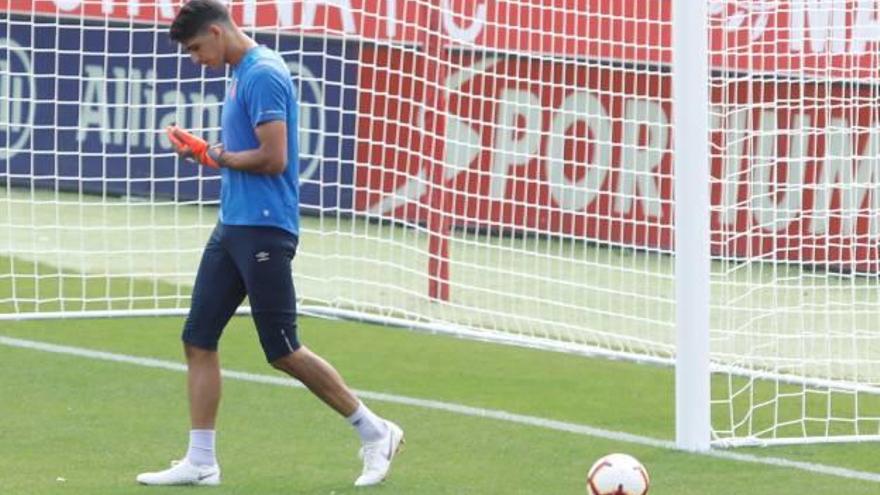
196	16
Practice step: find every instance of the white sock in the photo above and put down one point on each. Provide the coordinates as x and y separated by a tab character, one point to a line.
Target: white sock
201	448
369	426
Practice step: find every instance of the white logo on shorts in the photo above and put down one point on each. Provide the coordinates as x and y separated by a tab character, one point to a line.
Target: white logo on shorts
262	256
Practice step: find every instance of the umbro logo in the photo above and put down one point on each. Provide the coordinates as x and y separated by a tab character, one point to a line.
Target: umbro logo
262	256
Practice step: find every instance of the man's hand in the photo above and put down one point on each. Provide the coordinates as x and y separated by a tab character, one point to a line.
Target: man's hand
192	147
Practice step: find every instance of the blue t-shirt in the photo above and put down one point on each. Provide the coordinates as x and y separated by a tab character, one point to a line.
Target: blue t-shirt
260	91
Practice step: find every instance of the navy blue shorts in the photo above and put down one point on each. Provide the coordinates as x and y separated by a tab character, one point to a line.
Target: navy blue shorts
239	261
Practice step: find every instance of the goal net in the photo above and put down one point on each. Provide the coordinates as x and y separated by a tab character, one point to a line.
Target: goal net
795	150
494	170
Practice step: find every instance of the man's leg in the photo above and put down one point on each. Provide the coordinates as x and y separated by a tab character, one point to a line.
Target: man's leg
203	389
264	258
381	438
203	385
217	293
320	378
199	466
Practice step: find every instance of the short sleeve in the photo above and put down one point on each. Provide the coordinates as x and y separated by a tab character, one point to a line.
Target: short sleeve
267	96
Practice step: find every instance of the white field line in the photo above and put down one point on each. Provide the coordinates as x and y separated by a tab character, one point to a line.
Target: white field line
453	408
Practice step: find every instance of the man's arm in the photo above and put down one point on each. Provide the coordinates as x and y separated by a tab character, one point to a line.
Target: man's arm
270	158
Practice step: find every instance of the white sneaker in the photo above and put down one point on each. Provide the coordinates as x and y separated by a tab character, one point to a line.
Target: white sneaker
183	472
378	456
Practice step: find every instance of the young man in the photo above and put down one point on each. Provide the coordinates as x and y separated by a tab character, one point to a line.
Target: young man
251	248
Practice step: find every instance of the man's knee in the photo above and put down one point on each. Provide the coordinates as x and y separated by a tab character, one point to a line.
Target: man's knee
195	353
292	362
284	363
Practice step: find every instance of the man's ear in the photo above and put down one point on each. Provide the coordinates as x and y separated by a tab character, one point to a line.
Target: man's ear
216	30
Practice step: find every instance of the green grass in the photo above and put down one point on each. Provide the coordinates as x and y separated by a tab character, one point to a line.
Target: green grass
96	424
28	286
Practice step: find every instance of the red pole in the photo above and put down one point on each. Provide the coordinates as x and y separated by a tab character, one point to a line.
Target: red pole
434	149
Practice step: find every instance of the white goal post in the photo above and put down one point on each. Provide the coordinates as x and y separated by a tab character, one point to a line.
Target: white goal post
693	424
676	182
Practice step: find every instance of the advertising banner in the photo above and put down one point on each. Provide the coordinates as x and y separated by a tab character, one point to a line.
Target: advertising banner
585	151
88	103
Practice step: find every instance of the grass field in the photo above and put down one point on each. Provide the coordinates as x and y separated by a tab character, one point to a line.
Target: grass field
95	424
131	253
78	425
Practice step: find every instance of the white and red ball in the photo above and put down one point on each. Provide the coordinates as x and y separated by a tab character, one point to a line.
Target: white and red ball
618	474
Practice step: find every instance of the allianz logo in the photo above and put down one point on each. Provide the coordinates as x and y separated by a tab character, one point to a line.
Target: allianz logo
17	112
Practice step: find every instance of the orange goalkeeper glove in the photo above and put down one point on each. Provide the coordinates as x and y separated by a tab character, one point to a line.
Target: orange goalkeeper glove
196	146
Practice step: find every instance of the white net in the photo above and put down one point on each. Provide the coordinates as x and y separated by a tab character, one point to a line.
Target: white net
464	166
795	150
498	170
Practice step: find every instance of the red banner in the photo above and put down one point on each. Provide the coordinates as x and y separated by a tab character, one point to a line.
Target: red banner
837	38
825	39
529	145
565	148
634	31
392	172
800	164
392	20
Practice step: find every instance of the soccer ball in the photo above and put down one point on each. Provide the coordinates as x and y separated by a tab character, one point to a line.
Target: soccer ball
617	474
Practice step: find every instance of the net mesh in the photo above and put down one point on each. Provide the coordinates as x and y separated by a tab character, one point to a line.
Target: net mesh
496	170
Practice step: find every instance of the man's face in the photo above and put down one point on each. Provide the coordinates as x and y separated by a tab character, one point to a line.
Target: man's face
207	48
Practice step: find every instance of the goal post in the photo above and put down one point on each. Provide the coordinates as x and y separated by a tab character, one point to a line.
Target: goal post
691	184
692	209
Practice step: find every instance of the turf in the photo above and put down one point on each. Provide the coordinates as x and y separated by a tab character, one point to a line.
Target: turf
95	424
28	286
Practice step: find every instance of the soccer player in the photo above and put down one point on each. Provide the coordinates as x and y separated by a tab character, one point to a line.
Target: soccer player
251	248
